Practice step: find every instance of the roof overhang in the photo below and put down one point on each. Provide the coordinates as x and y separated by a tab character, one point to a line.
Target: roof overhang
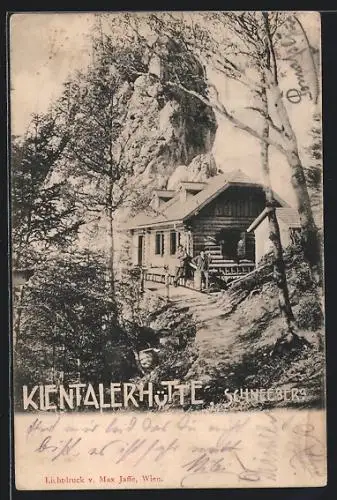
157	224
195	210
217	193
164	194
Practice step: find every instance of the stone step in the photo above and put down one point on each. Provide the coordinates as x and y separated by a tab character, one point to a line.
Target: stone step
233	268
214	249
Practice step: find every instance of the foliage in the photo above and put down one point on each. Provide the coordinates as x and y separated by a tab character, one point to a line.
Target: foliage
147	317
74	325
69	326
246	47
301	369
96	147
314	165
133	314
43	210
174	363
309	314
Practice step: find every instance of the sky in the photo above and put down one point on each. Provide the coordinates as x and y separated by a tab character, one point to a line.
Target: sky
44	50
46	47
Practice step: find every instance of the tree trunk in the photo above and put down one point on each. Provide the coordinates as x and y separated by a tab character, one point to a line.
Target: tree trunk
111	254
280	273
274	236
109	319
309	237
18	296
111	226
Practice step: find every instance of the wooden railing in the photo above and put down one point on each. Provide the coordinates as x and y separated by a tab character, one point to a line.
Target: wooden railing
224	272
232	269
157	277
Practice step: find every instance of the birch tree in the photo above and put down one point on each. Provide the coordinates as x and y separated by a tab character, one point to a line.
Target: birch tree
310	237
280	277
181	31
242	46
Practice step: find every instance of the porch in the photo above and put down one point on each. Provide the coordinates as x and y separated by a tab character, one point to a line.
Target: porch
156	258
220	274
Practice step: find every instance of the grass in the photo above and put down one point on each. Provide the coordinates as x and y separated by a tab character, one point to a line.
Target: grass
233	350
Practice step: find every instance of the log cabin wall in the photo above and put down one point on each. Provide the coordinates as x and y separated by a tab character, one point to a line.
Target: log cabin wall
234	209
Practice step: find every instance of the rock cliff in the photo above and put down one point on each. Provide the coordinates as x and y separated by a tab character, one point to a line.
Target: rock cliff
166	135
164	128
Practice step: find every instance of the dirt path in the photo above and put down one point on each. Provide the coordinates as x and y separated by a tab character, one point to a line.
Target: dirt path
214	327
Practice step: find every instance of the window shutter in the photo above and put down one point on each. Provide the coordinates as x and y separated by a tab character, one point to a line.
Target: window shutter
173	242
162	243
157	244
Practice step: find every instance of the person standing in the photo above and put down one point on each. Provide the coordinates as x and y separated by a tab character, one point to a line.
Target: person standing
202	263
180	269
167	282
241	249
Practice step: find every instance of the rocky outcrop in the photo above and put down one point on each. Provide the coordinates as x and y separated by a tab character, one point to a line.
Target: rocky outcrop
165	135
164	127
201	168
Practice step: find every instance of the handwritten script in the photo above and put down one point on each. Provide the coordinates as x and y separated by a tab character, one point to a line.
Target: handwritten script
170	450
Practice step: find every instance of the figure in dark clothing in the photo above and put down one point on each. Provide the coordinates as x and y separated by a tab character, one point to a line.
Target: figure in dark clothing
241	250
202	263
188	269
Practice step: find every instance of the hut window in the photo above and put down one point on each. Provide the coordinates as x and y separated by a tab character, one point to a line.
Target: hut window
159	246
173	242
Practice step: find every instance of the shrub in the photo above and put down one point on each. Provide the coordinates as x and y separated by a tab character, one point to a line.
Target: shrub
309	315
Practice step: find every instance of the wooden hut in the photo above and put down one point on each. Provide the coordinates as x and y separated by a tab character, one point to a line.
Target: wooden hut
289	225
212	216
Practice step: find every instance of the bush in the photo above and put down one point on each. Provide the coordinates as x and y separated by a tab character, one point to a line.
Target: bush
309	315
69	327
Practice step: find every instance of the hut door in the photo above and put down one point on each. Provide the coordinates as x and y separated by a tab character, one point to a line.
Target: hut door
140	249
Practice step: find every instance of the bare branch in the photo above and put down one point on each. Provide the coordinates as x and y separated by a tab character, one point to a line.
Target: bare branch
220	108
267	117
270	48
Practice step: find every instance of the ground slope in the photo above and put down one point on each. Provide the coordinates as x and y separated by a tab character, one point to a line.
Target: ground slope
236	332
